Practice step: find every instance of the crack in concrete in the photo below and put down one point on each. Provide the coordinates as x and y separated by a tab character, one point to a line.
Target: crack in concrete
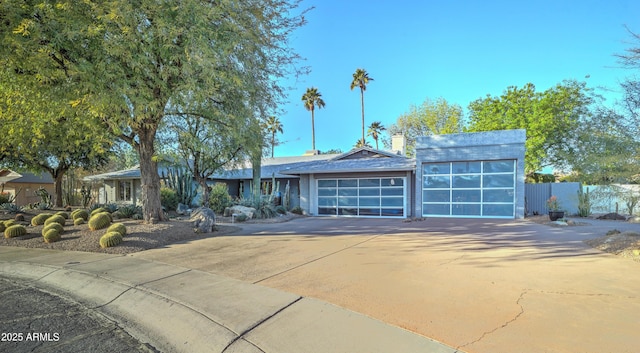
588	294
507	323
452	260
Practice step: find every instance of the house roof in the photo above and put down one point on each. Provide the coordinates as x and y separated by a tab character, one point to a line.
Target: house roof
9	176
364	159
359	165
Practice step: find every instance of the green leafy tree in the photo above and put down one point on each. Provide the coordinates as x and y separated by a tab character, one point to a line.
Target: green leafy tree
312	99
550	118
42	133
207	146
133	63
362	143
332	151
273	126
602	150
430	118
374	130
361	79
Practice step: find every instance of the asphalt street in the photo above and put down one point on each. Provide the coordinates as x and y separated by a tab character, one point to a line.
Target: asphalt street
35	320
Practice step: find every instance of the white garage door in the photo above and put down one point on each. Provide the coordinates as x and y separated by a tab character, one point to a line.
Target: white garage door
365	197
469	189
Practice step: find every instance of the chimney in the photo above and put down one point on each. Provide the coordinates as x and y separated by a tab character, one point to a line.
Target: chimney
398	144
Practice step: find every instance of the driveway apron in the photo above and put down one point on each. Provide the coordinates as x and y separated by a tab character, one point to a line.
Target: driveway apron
478	285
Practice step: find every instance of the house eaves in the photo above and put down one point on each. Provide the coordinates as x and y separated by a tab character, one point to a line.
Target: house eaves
354	166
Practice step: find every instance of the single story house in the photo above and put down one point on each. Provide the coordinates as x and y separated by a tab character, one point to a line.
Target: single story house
459	175
23	185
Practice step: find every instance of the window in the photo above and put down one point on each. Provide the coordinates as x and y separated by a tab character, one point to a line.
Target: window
124	191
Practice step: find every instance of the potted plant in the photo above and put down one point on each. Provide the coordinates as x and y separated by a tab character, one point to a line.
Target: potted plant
554	209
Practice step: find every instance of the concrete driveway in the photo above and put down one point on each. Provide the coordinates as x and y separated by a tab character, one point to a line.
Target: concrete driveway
478	285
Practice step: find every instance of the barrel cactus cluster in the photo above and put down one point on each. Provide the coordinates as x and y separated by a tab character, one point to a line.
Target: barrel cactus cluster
16	230
99	220
40	219
79	217
114	235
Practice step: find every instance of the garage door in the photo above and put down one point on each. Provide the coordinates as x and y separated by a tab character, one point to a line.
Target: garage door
365	197
469	189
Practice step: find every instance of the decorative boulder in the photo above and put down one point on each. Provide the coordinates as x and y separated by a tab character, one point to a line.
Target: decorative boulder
204	220
247	211
183	209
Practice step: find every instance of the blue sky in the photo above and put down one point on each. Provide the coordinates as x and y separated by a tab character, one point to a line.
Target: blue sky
458	50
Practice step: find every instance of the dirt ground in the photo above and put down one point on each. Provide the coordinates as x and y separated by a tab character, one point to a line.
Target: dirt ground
624	244
140	236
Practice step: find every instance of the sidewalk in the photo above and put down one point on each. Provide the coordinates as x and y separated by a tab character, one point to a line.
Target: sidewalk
177	309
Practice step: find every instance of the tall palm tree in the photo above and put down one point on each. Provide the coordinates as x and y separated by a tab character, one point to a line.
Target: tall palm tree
362	143
312	98
375	129
273	126
361	79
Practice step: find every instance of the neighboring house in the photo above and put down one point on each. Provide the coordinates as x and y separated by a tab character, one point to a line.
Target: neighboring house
459	175
24	185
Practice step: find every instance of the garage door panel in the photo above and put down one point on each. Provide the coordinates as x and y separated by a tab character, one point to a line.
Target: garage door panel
368	197
469	189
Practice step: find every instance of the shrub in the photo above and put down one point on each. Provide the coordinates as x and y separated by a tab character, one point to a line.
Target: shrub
281	209
128	211
297	210
241	217
83	214
55	219
110	239
99	221
63	214
55	226
39	219
219	198
11	207
16	230
51	236
168	198
264	208
6	197
118	227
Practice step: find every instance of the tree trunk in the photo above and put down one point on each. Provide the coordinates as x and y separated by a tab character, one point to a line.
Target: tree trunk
150	198
313	132
57	176
362	104
256	165
205	190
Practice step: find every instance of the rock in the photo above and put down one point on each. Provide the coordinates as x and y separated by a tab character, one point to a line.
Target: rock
183	209
247	211
559	223
613	216
204	220
634	219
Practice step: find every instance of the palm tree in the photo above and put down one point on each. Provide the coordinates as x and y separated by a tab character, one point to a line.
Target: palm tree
361	79
273	127
312	98
375	129
362	143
